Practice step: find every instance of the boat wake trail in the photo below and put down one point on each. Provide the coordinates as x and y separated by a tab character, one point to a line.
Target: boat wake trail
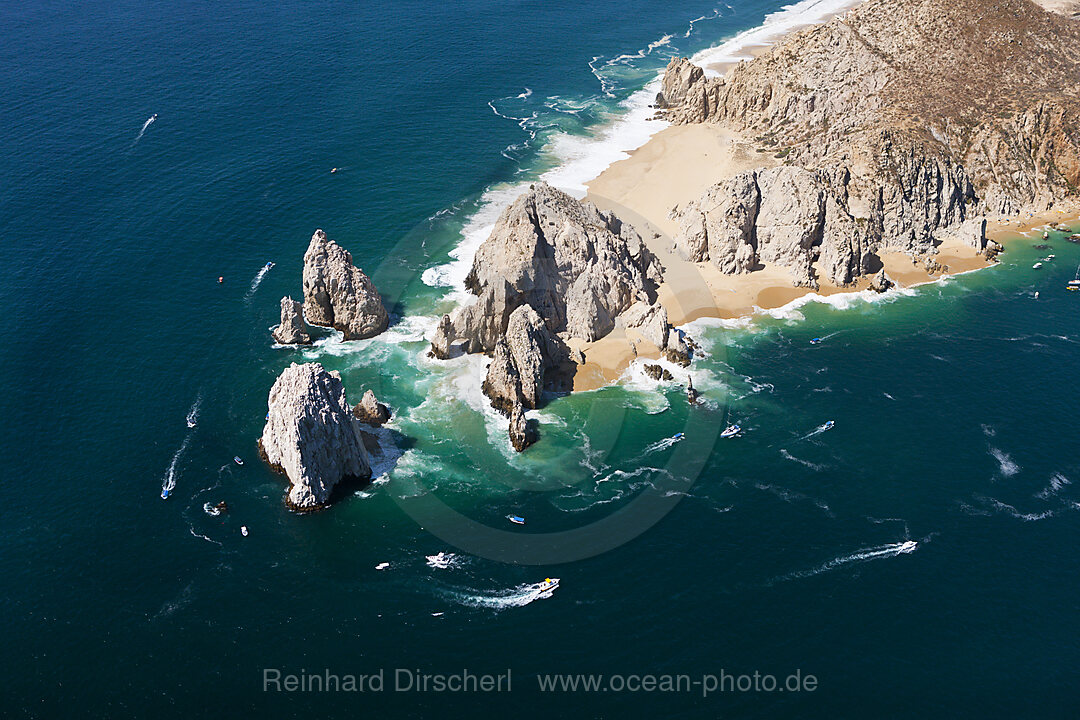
1005	463
442	561
193	413
807	463
816	431
142	130
519	596
255	281
168	483
662	445
866	554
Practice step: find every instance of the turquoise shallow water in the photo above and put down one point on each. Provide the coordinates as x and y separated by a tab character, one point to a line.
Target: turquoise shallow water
773	552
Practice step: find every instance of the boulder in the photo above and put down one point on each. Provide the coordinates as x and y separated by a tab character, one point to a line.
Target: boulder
338	294
444	337
658	372
370	411
522	432
516	373
291	329
972	233
880	282
677	350
312	436
649	320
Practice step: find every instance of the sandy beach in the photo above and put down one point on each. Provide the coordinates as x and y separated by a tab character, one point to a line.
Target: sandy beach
676	166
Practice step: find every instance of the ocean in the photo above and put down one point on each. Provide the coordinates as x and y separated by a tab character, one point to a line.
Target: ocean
916	558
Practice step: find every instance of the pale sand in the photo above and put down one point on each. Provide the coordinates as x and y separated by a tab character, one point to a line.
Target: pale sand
676	166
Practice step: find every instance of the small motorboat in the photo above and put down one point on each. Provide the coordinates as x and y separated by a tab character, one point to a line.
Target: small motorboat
678	436
1036	266
815	341
1046	235
382	566
333	170
548	585
221	279
154	116
244	530
731	431
516	519
907	546
237	460
165	493
269	265
1050	257
1074	284
828	426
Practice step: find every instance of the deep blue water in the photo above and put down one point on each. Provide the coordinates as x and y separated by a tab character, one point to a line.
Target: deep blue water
954	407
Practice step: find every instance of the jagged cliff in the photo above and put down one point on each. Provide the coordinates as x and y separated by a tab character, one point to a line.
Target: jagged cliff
907	119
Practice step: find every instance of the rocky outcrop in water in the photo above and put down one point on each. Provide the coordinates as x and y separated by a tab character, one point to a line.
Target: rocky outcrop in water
577	266
338	294
880	283
370	411
516	373
444	337
522	432
312	436
291	329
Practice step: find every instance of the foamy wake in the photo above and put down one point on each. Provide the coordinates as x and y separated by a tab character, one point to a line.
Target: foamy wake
257	280
172	474
1005	463
806	463
519	596
442	561
865	555
142	130
663	444
193	412
1012	511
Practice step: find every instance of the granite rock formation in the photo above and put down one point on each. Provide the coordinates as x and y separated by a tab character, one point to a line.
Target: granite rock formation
577	266
311	435
370	411
291	329
338	294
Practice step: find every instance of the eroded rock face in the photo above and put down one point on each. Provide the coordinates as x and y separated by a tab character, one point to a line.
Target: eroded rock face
649	320
522	432
577	266
370	411
444	337
291	329
787	216
516	373
338	294
880	282
311	435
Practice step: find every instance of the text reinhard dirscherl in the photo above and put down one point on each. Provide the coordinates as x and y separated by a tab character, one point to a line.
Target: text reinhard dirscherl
466	681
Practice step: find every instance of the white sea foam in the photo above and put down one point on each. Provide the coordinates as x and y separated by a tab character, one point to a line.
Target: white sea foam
519	596
806	463
1057	481
172	474
193	413
872	553
442	560
257	280
1005	463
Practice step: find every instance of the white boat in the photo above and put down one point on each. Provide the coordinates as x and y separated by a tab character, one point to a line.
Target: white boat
549	585
382	566
1074	284
907	546
731	431
1036	266
237	460
516	519
828	426
244	530
1046	235
165	493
